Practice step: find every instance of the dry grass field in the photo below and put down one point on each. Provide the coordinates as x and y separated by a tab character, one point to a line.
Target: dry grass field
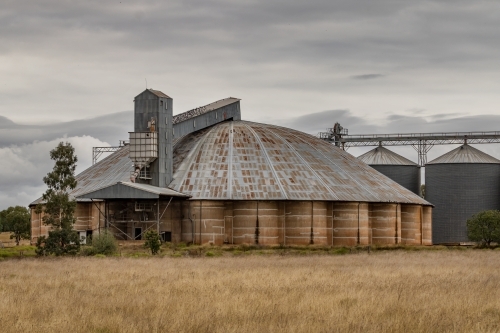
394	291
7	242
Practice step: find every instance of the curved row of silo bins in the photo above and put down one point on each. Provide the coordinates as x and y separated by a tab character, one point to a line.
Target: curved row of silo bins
460	183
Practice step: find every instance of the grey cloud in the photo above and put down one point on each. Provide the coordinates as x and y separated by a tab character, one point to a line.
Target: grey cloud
315	123
108	128
367	76
26	164
445	116
6	123
92	56
416	110
24	151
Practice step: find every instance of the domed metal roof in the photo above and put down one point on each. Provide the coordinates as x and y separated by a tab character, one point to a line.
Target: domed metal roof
384	156
240	160
465	154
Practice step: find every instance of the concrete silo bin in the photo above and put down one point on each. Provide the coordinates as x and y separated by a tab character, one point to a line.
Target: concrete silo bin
403	171
460	183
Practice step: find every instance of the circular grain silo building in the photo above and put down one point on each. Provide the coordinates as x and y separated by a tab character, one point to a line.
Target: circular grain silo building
403	171
206	176
460	183
265	184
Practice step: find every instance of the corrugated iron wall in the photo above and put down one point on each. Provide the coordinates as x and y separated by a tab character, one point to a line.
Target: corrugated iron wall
459	191
407	176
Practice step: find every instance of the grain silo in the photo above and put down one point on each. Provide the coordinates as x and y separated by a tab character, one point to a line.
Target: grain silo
460	183
403	171
230	181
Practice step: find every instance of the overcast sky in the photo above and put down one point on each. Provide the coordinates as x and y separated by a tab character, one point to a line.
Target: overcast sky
70	70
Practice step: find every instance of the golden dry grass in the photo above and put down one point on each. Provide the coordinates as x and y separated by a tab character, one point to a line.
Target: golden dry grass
442	291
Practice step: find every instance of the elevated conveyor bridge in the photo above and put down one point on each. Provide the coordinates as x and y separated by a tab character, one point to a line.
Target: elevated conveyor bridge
421	142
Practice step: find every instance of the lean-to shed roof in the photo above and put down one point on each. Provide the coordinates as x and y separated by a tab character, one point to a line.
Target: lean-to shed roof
384	156
129	190
465	154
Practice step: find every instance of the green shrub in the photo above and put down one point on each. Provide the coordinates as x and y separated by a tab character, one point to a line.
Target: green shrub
153	241
104	243
87	251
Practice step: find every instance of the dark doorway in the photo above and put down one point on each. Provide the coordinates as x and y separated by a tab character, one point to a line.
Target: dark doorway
89	236
166	236
138	234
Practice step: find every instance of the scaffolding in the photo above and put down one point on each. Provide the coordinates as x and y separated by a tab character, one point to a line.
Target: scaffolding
123	217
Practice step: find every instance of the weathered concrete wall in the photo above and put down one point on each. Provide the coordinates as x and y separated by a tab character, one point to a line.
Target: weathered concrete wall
411	224
261	222
427	225
345	223
385	220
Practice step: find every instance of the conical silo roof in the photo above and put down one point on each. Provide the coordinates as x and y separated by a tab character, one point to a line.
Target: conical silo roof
465	154
384	156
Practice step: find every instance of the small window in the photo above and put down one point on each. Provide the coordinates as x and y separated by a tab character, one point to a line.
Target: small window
194	123
166	120
166	105
216	115
166	151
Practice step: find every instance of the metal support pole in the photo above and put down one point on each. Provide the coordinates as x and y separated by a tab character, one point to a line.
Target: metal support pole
422	148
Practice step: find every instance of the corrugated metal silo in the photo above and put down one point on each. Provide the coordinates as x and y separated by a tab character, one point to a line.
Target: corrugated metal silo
460	183
403	171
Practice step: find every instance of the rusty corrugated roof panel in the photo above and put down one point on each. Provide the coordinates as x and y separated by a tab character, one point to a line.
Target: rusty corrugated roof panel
110	170
465	154
203	109
241	160
159	93
384	156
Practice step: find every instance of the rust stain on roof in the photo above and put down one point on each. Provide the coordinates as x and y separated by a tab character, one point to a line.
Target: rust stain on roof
293	165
